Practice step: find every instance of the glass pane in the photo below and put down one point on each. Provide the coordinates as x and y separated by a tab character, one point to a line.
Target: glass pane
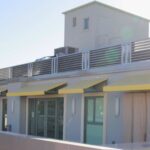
99	110
59	128
86	23
90	110
60	105
46	118
94	134
51	107
51	127
40	107
40	126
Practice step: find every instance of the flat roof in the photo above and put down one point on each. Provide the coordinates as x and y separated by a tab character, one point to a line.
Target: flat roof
106	5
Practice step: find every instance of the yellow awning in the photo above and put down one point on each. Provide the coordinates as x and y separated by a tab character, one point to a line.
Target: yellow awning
130	83
38	89
120	88
80	86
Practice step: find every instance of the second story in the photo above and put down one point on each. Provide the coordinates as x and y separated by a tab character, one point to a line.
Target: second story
96	25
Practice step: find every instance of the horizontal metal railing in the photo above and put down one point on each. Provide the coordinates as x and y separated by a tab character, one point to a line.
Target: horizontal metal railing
4	74
140	50
20	71
114	55
105	56
70	62
41	67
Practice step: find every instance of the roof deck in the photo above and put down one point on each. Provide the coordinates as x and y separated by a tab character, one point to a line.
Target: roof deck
123	57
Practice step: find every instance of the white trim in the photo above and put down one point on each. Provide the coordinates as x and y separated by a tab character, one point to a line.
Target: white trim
82	119
64	117
123	54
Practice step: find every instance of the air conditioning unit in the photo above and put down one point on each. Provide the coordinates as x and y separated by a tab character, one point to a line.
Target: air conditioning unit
65	51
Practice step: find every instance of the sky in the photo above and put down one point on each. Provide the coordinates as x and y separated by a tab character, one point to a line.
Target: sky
31	29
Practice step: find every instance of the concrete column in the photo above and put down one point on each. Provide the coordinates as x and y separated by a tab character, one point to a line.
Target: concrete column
73	118
13	110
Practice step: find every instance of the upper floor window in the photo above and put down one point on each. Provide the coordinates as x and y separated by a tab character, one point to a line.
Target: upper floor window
74	21
86	23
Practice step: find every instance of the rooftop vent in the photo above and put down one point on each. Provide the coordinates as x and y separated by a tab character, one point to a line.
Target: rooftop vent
65	51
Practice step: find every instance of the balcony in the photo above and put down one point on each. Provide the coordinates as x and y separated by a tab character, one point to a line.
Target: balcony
125	57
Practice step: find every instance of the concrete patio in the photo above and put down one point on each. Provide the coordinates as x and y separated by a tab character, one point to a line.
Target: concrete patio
12	141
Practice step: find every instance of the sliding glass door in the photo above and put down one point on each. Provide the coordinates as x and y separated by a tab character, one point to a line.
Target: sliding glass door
94	120
46	117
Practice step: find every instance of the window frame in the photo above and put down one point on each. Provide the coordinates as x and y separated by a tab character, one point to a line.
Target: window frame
86	23
74	21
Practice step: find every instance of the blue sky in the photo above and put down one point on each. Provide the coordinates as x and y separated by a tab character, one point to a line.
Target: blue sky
30	29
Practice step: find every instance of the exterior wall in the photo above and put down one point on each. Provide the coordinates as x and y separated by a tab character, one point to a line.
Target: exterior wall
14	113
77	36
13	109
73	119
114	27
107	26
114	123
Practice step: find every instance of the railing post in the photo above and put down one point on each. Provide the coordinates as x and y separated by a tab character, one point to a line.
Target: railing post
129	52
88	59
30	70
126	53
85	60
10	73
54	65
123	53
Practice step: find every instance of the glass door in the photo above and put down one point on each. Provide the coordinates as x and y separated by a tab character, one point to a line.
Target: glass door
94	120
46	117
40	118
4	114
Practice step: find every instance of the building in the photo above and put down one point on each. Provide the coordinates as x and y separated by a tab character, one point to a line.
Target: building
98	25
97	95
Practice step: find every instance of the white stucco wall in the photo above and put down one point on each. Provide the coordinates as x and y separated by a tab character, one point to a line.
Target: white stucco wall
107	26
13	108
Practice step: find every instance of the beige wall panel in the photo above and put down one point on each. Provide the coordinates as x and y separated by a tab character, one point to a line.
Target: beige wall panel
127	117
139	117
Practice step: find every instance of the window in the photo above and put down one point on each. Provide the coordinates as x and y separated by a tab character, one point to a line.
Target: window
74	21
86	23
